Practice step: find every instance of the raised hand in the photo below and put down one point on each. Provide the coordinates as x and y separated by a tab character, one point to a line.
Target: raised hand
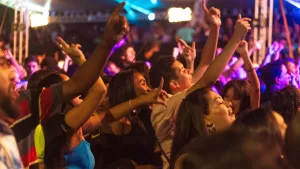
72	50
189	53
274	47
243	48
8	54
213	15
241	27
156	96
116	27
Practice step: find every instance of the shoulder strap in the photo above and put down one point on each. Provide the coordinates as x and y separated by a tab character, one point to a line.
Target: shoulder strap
141	124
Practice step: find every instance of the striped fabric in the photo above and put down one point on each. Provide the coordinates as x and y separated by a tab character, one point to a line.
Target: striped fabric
50	102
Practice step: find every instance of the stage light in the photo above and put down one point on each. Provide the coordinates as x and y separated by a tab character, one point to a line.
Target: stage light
37	20
294	2
135	7
151	16
179	14
154	1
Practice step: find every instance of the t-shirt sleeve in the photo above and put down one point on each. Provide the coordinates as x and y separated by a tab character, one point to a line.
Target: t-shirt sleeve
163	119
51	101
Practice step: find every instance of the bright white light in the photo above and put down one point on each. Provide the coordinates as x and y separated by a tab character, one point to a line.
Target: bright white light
180	14
151	16
154	1
293	2
37	20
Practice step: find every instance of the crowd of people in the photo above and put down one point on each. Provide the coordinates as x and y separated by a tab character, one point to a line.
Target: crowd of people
122	109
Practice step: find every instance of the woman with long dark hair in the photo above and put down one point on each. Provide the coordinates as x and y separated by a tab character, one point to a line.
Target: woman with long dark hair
127	139
243	94
203	112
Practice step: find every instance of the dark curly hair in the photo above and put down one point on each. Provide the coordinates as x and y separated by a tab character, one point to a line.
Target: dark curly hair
286	102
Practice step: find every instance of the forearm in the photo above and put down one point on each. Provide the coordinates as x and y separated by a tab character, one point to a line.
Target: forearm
254	82
115	113
190	66
266	60
88	72
218	65
79	115
18	67
208	54
123	109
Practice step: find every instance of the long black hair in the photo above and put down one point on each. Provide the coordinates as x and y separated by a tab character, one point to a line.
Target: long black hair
190	121
53	154
121	87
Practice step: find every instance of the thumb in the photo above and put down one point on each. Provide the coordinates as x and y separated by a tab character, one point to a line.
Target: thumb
194	46
239	16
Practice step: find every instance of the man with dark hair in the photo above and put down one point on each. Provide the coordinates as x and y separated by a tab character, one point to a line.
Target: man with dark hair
275	77
180	81
31	66
9	153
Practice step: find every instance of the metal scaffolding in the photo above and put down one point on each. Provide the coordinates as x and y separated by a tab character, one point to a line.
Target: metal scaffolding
21	31
262	30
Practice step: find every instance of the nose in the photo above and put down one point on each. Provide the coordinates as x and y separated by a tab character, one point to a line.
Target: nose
189	71
228	104
148	89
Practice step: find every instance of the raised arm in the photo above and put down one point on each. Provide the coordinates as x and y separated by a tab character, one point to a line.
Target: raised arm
252	76
240	62
213	72
272	50
77	116
116	28
210	48
156	96
21	71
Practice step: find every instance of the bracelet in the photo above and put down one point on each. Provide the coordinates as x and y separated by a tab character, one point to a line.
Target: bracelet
130	105
250	70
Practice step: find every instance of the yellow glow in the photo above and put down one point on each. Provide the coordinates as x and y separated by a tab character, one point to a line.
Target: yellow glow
180	14
37	20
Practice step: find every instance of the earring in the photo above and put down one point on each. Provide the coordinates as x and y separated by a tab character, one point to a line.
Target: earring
209	125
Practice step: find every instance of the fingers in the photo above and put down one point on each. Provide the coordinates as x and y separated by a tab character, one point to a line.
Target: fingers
181	41
214	11
246	19
164	94
118	9
78	46
125	24
161	85
239	16
194	46
61	41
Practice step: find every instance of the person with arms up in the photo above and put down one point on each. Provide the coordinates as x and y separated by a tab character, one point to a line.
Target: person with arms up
55	96
180	82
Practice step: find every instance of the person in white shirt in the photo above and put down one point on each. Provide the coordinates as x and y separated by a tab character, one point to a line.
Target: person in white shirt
180	81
